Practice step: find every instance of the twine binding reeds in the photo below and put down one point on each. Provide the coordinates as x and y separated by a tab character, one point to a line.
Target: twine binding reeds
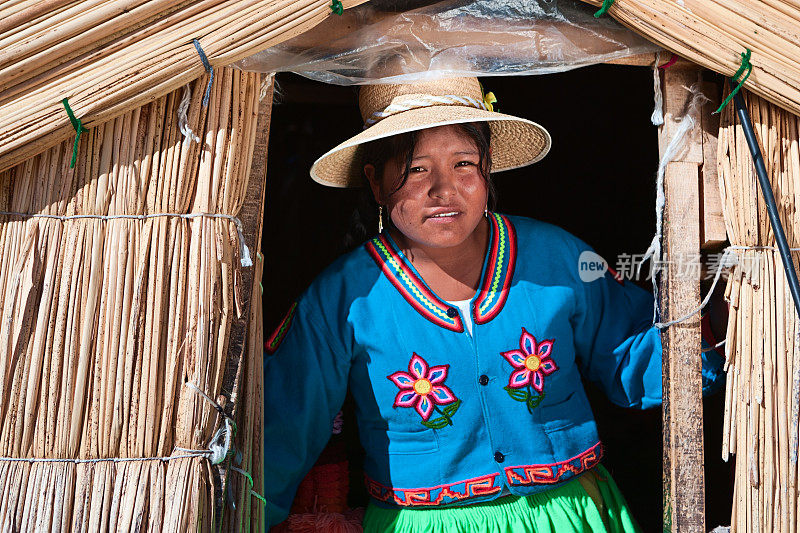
244	251
31	460
745	68
208	68
604	8
336	7
220	446
250	481
727	260
183	121
76	123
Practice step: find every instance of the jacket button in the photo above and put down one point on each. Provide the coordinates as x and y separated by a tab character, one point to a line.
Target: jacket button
451	312
499	457
483	380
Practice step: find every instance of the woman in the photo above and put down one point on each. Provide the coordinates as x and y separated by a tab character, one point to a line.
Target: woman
462	334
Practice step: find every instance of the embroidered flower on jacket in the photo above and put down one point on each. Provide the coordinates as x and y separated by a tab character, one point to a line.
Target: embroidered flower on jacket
532	362
422	388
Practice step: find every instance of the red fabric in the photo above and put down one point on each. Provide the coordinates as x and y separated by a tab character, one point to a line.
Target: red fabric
347	522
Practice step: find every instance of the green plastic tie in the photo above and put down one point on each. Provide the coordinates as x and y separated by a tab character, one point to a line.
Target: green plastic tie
746	67
602	11
76	123
337	7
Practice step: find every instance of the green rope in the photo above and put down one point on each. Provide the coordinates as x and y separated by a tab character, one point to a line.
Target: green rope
337	7
602	11
260	497
745	66
76	123
252	484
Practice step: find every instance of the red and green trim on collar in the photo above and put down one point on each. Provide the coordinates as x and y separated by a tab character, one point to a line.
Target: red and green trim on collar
494	285
499	271
408	284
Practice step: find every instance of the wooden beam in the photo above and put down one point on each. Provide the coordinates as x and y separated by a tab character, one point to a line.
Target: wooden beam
684	483
638	60
712	223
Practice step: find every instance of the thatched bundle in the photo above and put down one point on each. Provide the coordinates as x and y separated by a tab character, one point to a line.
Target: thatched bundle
762	345
714	34
111	56
111	328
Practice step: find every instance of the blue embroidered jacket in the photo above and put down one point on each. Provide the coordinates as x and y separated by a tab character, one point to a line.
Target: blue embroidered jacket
445	417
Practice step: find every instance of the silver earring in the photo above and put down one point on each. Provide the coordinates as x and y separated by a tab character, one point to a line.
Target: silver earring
486	211
380	219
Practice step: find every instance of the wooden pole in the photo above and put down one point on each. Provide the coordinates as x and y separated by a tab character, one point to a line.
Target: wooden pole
684	484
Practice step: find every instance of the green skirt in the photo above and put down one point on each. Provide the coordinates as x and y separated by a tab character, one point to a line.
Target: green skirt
589	503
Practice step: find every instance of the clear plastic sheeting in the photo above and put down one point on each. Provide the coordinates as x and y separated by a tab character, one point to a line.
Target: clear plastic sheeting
398	41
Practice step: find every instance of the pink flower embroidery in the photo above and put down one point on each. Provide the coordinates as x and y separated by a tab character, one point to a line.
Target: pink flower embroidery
422	387
532	362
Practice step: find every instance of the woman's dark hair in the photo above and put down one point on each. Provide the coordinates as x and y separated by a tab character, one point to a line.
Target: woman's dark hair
377	153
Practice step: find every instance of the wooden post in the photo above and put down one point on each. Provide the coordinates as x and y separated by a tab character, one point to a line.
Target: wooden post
684	483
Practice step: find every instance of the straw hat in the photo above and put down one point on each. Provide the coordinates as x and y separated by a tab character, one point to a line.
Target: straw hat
391	109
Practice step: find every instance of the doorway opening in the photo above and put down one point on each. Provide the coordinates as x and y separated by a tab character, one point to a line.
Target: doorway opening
597	182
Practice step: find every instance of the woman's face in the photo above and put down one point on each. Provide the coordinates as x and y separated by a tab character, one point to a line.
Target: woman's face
445	195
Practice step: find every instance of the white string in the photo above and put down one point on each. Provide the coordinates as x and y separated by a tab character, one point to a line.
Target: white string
205	396
676	144
720	343
244	251
729	258
657	118
423	101
220	445
183	121
197	453
723	262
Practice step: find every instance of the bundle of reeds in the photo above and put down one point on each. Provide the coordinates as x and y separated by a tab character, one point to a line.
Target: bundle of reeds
111	328
762	344
714	34
111	56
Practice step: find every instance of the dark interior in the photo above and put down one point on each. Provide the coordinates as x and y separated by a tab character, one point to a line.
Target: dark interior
598	182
